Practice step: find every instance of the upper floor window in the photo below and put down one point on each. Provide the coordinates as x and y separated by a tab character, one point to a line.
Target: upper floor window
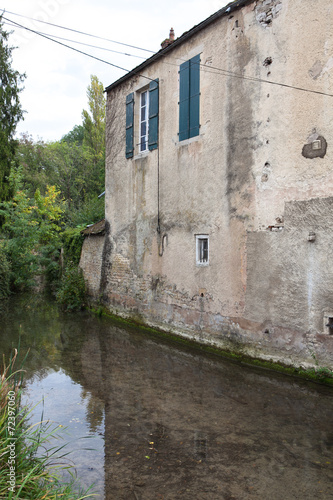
147	134
189	98
144	123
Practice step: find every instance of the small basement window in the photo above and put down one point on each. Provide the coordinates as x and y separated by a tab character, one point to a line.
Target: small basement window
202	249
328	323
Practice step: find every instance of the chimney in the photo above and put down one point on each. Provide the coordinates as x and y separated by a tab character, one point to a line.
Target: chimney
168	41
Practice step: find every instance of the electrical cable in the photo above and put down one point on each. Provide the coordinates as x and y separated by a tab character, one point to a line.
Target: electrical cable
205	68
72	48
80	43
80	32
261	80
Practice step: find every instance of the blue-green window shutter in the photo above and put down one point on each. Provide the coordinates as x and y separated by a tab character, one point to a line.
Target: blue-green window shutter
130	125
184	104
189	98
153	115
194	96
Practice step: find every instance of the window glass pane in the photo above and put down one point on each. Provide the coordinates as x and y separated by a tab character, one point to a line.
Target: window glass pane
143	145
144	104
204	250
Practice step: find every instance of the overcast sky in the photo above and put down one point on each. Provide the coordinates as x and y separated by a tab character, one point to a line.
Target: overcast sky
57	77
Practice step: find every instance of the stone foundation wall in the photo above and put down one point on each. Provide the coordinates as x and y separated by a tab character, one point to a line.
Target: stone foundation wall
91	263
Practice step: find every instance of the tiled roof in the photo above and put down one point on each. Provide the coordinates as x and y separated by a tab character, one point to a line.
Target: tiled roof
94	229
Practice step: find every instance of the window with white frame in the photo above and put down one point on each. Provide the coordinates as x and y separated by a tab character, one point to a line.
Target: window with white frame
147	103
144	120
202	249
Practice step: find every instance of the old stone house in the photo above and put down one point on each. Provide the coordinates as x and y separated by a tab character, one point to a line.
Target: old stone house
219	185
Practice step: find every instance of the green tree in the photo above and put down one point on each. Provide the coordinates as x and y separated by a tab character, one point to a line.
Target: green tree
10	111
94	122
31	232
75	135
70	167
30	155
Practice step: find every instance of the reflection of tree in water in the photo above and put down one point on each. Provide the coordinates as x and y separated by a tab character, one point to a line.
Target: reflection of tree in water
32	325
94	410
4	305
81	361
54	340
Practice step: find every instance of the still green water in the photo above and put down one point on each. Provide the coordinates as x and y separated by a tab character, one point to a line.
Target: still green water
147	419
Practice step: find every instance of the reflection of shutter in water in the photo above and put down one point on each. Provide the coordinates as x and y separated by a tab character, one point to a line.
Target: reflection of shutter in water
200	445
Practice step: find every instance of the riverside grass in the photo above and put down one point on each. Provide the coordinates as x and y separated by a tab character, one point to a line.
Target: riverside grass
36	470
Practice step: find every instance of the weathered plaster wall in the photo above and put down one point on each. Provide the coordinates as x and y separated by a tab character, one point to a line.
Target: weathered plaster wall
253	157
289	285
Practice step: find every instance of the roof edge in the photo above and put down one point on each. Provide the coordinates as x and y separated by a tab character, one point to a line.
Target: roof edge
230	7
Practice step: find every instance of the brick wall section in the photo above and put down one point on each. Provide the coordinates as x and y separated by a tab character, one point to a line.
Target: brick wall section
155	299
91	263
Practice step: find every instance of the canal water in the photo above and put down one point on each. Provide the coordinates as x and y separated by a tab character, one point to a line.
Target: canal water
146	419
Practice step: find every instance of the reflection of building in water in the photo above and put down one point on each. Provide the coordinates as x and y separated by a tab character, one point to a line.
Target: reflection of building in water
200	445
181	426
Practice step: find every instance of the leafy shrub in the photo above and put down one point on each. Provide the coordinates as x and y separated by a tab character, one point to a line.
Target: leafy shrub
323	372
90	211
72	244
72	290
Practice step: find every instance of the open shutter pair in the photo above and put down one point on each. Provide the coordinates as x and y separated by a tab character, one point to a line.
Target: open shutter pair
153	119
189	98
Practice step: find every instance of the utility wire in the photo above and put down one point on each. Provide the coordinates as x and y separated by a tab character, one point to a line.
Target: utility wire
80	43
72	48
225	72
208	69
80	32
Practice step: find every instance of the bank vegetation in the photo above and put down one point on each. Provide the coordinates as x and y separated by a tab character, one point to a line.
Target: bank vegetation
49	192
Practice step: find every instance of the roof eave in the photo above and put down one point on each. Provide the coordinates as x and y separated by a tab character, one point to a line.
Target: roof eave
231	7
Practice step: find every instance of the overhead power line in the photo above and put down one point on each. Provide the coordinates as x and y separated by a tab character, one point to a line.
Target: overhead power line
75	41
261	80
65	45
209	69
73	48
77	31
